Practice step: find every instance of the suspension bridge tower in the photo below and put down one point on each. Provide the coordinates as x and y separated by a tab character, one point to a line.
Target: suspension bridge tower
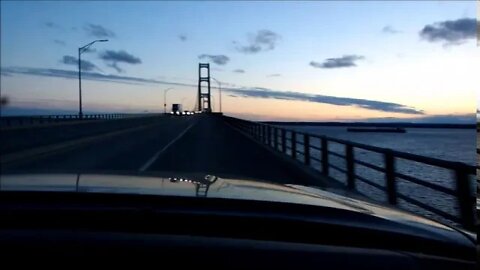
204	87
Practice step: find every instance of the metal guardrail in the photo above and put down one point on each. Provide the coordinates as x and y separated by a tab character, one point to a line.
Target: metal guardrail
11	121
282	140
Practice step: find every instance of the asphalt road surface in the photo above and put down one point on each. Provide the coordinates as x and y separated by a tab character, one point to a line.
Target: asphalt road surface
211	146
126	152
202	144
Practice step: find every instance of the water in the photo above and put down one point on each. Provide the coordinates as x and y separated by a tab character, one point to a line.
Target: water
447	144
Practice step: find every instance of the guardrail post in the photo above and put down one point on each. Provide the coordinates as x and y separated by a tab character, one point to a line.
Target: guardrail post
275	138
294	145
390	177
263	131
325	156
269	136
350	166
260	132
306	148
466	202
284	141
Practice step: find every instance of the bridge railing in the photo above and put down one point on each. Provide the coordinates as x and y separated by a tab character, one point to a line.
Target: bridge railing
295	144
10	121
478	178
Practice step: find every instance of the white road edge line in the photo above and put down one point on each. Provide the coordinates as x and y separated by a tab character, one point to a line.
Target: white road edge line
157	154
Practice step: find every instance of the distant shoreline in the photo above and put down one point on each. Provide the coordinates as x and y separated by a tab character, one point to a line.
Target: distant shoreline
366	124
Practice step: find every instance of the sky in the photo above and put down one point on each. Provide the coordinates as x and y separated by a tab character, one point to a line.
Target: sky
290	61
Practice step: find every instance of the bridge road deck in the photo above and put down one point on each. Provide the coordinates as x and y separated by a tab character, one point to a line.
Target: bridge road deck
183	144
212	146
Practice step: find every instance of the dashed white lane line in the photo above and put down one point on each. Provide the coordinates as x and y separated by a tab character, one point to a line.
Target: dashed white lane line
157	154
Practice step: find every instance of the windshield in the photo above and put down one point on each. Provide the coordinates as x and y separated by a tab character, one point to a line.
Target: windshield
371	100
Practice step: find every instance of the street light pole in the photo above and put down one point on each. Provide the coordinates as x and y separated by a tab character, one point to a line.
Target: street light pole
80	51
165	99
220	93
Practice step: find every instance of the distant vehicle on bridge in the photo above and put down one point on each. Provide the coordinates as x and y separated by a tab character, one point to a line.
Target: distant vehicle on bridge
177	109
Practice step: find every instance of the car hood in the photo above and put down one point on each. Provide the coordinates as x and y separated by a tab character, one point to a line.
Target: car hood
213	187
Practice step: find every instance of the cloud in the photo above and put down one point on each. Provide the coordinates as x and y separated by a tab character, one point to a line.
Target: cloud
50	24
226	84
98	31
341	62
450	32
115	66
5	73
239	71
59	42
89	50
217	59
242	92
339	101
70	60
115	57
263	40
437	119
274	75
120	56
390	30
182	37
94	76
